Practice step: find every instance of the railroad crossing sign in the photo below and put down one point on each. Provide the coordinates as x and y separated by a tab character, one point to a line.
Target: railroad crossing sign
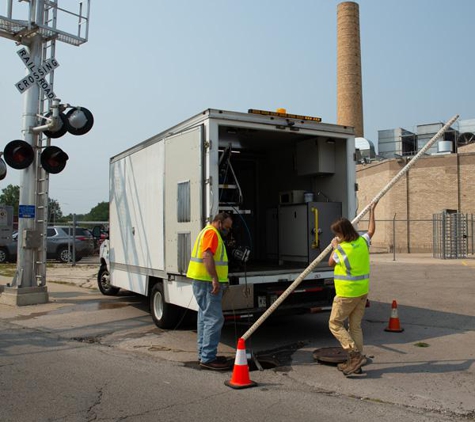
37	74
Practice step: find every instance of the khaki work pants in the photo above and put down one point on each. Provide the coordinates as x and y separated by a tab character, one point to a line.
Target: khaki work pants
351	308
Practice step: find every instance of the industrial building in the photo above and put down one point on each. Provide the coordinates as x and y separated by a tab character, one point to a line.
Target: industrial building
438	188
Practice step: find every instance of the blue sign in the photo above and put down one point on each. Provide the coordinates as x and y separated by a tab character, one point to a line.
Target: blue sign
26	211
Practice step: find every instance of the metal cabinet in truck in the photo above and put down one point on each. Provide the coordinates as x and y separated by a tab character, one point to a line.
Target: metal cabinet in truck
284	179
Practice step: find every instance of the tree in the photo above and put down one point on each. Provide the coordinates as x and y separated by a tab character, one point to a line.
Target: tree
99	213
54	211
11	196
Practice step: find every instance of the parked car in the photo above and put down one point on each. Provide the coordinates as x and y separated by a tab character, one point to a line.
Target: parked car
58	245
8	251
58	239
99	234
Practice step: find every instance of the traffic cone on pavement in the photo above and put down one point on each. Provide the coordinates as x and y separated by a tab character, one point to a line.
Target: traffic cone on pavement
240	377
394	324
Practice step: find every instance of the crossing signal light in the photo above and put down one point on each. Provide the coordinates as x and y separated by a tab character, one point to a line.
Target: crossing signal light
53	159
77	121
3	169
60	128
18	154
80	120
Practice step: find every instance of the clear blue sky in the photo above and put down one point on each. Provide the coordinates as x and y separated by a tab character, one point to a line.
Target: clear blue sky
150	64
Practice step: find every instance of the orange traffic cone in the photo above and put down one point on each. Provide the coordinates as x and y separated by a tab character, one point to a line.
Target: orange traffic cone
394	325
240	377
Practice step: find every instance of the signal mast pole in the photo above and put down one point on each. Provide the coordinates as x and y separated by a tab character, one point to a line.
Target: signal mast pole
38	33
25	277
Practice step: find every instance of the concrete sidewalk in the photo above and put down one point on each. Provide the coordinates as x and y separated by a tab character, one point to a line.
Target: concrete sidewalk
430	365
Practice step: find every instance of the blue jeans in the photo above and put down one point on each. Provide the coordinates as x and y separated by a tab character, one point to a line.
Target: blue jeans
210	319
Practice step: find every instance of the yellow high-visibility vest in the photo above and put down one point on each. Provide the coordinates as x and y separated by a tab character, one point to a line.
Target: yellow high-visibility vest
196	267
352	271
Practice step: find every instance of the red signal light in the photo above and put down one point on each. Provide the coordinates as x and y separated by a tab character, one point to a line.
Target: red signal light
19	154
53	160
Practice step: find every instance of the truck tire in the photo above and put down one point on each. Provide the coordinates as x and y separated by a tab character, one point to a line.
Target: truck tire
3	256
164	315
103	282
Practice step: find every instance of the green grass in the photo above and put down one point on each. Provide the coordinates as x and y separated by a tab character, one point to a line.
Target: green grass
7	270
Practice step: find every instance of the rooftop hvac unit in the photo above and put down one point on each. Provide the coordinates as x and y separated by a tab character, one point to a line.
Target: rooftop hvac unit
466	138
444	147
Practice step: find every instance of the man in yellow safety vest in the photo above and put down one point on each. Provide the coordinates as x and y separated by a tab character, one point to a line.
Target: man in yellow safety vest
350	259
209	270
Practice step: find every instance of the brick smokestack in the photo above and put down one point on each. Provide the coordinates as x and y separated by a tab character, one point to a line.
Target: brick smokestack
349	84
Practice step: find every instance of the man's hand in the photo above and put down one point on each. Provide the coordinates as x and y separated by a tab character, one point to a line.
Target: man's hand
208	260
216	286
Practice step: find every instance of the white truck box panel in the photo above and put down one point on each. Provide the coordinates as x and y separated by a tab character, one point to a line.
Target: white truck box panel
136	217
130	281
183	213
180	293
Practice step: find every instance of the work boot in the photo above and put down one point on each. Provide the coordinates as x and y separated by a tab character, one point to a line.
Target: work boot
355	361
215	365
342	366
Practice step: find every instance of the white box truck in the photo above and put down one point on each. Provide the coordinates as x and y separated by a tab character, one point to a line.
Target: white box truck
283	178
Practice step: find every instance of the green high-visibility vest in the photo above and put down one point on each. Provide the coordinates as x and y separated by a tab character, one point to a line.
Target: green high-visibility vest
196	267
352	271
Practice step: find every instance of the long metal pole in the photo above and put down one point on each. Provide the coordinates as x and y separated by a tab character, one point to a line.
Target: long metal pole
26	265
26	275
9	9
325	252
394	237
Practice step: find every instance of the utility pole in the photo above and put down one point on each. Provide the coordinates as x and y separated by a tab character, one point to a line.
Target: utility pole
34	156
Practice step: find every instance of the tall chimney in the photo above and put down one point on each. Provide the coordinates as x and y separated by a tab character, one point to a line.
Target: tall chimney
349	84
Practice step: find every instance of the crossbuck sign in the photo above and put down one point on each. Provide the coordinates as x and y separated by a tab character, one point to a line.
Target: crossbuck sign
37	74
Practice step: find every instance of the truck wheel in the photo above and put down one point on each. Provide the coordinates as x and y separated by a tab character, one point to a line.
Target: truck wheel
103	282
165	315
3	256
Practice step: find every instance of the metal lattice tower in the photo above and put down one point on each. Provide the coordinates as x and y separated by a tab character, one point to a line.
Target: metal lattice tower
41	18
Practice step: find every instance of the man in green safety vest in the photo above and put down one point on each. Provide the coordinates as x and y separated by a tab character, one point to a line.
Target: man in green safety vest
209	270
350	259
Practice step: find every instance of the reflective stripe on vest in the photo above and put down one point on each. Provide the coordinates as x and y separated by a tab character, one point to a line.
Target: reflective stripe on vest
352	272
197	269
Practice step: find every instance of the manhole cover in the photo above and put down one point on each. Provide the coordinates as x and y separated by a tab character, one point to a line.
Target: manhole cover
330	355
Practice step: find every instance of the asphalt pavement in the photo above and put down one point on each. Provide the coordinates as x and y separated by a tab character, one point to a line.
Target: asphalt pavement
429	365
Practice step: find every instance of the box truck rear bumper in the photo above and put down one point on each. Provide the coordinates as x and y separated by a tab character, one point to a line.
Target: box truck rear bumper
310	296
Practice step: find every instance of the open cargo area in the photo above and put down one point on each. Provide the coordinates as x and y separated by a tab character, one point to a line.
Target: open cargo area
283	179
